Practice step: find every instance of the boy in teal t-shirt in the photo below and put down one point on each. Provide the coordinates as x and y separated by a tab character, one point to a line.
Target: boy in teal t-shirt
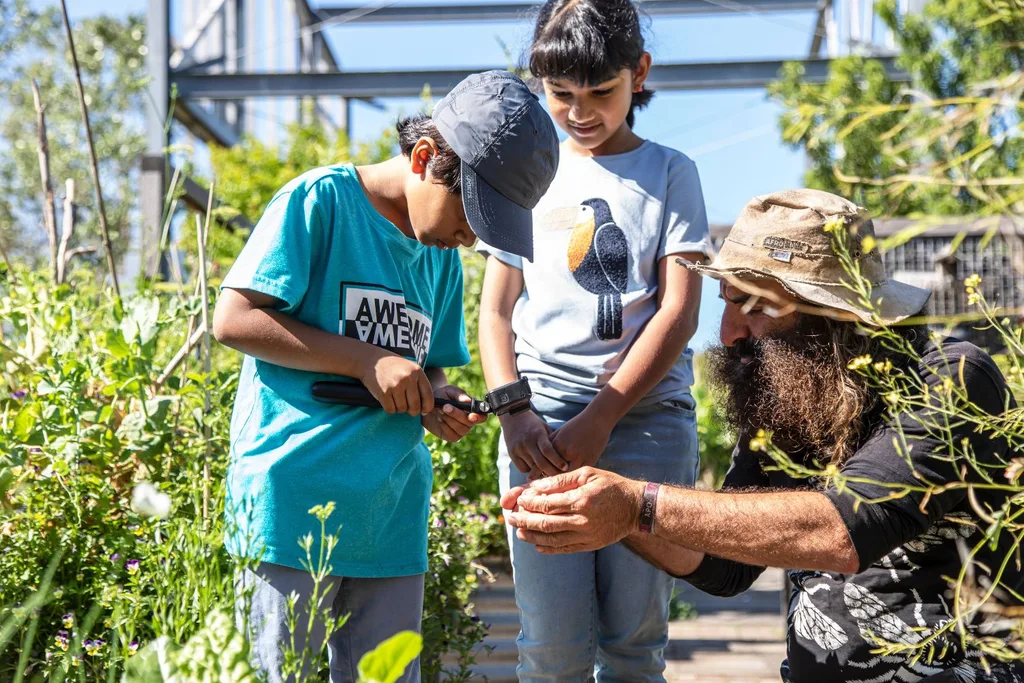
353	271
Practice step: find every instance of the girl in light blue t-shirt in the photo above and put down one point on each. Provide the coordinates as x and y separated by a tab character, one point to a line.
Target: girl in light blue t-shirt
599	323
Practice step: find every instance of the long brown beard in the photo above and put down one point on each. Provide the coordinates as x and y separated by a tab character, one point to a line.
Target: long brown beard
797	385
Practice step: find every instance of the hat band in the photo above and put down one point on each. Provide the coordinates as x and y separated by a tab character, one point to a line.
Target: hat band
815	268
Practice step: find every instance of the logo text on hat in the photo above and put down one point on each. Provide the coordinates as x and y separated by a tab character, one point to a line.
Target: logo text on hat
783	244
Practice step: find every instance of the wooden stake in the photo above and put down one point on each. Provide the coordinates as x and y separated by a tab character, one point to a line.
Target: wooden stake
101	207
182	353
49	206
67	229
202	232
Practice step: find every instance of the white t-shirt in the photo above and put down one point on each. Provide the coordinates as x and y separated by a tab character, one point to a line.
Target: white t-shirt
598	235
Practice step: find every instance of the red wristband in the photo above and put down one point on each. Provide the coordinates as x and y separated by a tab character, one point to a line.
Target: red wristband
648	506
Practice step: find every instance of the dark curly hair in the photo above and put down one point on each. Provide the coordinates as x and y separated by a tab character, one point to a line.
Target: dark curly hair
589	42
445	166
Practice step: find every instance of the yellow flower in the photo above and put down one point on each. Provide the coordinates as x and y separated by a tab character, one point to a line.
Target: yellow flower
973	281
760	441
868	244
883	368
859	362
973	298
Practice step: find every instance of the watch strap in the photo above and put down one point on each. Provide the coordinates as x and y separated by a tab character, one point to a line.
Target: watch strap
648	507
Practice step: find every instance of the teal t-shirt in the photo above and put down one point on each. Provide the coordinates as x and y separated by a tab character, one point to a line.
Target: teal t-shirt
338	265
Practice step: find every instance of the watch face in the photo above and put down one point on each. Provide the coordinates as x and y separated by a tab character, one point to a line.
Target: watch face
511	394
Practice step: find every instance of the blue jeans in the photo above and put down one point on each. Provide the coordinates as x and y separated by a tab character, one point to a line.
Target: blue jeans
377	609
602	614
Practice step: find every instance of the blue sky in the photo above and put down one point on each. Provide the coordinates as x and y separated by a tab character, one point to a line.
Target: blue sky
730	134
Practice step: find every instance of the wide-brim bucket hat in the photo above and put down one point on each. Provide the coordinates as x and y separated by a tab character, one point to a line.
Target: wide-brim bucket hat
782	237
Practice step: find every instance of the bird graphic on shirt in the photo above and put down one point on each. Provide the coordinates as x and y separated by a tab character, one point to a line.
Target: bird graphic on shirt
599	261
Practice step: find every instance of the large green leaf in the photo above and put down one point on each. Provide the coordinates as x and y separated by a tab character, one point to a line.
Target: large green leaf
139	322
387	662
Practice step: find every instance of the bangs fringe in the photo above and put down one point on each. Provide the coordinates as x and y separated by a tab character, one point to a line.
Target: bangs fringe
586	42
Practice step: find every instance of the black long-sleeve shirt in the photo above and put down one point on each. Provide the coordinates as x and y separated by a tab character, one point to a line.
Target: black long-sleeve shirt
907	547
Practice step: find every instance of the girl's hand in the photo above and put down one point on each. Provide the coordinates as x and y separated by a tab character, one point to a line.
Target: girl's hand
582	440
400	385
448	422
528	439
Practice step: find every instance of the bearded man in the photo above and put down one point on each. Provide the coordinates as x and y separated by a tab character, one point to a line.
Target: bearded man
871	557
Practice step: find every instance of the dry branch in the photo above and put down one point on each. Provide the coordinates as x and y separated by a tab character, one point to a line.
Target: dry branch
100	206
182	353
49	206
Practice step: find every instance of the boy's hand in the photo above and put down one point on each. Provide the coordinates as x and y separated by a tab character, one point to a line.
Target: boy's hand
581	440
400	385
448	422
528	439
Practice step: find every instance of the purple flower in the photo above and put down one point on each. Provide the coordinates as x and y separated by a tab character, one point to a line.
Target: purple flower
133	647
61	640
463	500
115	557
132	566
19	394
453	489
68	619
440	524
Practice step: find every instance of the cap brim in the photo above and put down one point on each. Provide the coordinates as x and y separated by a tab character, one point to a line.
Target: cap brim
894	301
496	219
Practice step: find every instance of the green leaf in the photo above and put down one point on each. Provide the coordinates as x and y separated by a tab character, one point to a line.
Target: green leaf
25	422
152	664
6	477
114	343
44	388
387	662
140	321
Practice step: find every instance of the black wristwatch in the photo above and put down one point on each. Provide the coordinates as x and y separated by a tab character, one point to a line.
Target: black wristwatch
510	398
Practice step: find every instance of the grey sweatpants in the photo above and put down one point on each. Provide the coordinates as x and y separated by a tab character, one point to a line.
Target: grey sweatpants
378	609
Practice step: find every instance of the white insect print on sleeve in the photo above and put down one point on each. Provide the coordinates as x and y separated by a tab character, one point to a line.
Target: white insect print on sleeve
951	527
874	619
897	561
813	624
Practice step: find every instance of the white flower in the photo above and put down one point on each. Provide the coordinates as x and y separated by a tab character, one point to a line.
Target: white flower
149	502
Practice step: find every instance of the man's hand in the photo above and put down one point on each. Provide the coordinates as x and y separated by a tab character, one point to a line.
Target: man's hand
528	439
448	422
400	385
574	512
582	440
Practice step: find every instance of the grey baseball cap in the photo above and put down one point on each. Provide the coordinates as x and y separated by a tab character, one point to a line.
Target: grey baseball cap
509	152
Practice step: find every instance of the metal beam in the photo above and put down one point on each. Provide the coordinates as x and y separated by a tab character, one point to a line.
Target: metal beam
204	124
151	185
195	32
697	76
195	197
818	36
519	11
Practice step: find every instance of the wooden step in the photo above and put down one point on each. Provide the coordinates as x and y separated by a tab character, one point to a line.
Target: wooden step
501	624
492	651
495	673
